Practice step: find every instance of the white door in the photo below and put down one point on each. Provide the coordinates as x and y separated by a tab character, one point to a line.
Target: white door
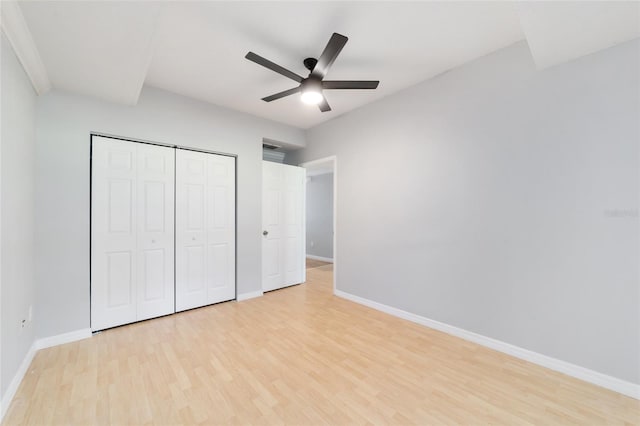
131	232
205	229
221	228
272	193
294	215
283	225
155	209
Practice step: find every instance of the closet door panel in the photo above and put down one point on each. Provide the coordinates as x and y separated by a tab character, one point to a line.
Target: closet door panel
131	232
155	231
191	242
205	233
221	228
113	233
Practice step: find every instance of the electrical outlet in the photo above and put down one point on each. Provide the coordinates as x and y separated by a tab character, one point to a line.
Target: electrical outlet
313	243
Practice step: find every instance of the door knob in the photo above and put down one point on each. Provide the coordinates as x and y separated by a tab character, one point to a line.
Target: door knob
265	233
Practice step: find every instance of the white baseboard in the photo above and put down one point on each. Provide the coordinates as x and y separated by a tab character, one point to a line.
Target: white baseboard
26	362
582	373
249	295
17	379
61	339
324	259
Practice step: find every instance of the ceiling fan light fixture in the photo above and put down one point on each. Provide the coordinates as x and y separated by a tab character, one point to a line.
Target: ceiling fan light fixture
311	88
311	97
311	92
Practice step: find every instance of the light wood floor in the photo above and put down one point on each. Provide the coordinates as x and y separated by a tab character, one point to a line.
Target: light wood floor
313	263
298	356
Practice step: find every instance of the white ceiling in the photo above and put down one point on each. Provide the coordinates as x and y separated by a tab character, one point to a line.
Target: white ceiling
110	49
101	49
399	44
561	31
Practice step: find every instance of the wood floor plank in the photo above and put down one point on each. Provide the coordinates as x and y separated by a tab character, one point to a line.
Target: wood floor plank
313	263
298	356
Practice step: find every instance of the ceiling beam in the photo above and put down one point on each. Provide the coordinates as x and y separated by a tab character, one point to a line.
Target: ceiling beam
19	36
559	32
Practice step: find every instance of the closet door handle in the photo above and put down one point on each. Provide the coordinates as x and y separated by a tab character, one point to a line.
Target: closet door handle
265	233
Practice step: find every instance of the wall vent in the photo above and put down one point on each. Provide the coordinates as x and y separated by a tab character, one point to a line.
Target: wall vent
270	146
274	156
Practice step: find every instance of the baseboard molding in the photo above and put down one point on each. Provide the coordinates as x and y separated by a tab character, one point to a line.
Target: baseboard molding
582	373
324	259
249	295
61	339
17	379
38	344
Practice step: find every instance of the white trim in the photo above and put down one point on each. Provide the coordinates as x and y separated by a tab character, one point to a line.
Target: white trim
61	339
304	226
17	379
249	295
19	36
334	159
324	259
307	164
582	373
335	221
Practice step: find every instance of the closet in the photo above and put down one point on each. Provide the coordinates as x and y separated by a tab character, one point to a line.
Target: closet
162	230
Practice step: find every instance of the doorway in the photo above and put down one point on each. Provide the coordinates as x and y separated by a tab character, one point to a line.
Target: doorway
320	214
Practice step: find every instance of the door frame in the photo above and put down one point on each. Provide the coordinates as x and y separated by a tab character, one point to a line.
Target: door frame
333	159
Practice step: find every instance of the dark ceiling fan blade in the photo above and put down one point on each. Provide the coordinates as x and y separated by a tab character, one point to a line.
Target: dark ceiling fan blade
345	84
330	53
273	66
281	94
324	105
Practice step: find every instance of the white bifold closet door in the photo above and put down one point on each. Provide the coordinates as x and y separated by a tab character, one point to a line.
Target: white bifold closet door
283	251
205	229
132	232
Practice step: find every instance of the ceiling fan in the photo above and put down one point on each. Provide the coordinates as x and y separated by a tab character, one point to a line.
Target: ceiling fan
311	87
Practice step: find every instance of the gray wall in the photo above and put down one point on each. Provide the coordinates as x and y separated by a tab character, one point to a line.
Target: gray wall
320	215
17	258
64	122
502	200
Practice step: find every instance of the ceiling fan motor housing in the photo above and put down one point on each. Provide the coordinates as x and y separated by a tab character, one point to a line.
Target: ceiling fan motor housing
311	84
310	63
